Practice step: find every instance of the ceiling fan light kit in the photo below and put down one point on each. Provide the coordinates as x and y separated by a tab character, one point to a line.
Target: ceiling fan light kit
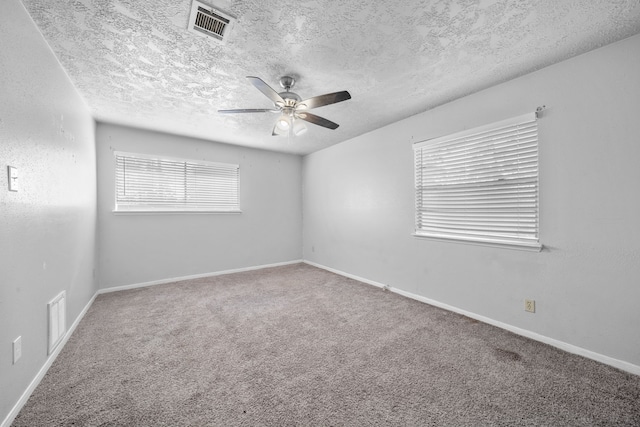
291	107
299	128
283	123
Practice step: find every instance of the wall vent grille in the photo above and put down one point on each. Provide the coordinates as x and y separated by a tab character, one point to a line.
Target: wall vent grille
57	320
209	22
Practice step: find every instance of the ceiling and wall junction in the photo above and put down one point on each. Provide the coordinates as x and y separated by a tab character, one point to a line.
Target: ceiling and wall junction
135	63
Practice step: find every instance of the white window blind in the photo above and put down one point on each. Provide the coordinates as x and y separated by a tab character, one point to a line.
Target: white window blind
147	183
480	185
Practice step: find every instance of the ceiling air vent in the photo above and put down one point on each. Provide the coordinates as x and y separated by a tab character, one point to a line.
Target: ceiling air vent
210	22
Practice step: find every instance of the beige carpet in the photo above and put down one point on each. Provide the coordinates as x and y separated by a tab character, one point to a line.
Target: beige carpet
297	345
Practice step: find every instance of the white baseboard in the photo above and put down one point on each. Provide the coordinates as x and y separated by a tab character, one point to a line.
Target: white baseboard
620	364
47	364
194	276
34	383
570	348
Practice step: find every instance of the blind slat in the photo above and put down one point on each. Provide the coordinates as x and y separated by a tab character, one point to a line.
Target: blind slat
480	185
147	183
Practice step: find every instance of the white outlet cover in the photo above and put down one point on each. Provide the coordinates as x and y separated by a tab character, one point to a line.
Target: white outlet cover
530	305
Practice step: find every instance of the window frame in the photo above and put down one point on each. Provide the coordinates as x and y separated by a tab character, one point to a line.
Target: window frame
448	224
166	206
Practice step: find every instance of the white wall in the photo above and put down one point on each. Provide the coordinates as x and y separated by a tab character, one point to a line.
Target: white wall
358	210
140	248
47	228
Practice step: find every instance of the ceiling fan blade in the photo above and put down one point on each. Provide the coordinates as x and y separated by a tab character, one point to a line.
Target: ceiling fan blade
249	110
317	120
321	100
267	90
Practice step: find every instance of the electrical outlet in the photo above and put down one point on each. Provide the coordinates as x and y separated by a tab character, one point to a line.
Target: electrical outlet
17	349
530	305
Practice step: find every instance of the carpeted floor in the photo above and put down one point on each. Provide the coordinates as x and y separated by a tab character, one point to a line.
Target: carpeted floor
297	345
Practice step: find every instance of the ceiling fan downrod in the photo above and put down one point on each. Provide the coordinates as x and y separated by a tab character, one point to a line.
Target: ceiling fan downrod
287	83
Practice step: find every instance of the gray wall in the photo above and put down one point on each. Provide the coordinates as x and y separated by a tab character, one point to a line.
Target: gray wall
47	229
139	248
359	207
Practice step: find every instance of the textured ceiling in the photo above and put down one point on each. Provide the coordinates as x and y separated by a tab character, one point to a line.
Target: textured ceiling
136	64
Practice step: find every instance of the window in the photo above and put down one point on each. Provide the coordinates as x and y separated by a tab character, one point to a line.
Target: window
480	185
152	184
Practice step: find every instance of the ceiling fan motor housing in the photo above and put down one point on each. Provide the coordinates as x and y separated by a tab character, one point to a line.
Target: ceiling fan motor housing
290	98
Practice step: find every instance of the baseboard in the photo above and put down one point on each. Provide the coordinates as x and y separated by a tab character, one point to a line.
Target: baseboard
194	276
570	348
41	373
43	370
350	276
620	364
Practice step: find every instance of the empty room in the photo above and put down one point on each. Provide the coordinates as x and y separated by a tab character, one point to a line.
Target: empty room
270	213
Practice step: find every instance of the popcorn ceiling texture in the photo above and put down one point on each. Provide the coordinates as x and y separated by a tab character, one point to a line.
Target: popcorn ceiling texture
135	63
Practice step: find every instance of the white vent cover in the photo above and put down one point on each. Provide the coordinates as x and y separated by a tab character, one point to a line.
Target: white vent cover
57	320
207	21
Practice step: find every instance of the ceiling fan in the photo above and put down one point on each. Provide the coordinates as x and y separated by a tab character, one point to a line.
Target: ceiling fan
291	107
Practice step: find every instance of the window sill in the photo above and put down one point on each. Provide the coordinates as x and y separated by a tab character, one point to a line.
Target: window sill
531	247
165	212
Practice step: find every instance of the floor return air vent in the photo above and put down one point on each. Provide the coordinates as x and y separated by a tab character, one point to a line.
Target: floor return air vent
57	320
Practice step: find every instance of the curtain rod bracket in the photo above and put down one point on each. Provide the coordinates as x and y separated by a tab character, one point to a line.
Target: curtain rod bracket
539	111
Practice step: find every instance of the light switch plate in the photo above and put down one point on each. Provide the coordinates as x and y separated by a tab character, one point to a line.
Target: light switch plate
13	178
17	349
